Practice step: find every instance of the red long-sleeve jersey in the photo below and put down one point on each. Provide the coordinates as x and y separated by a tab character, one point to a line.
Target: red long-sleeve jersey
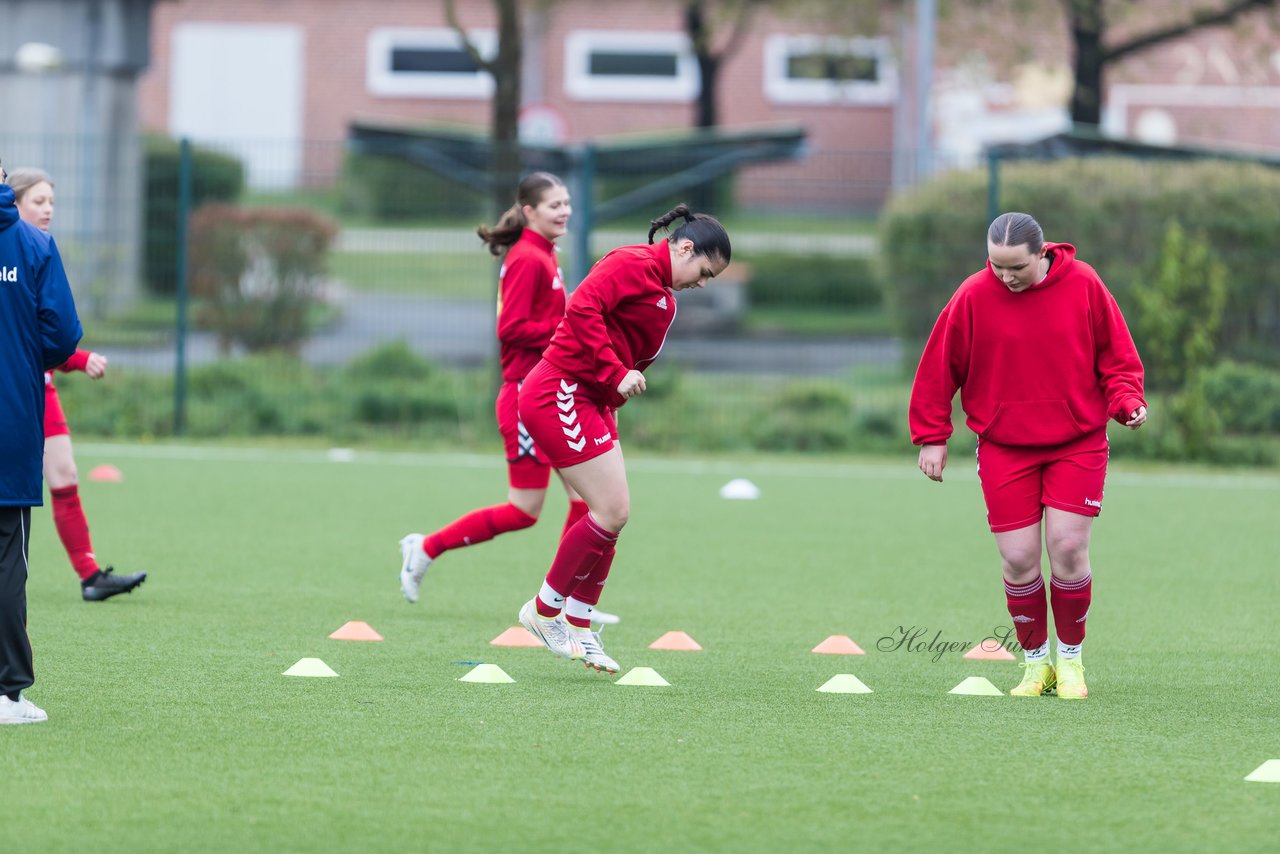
617	319
1035	368
78	362
531	303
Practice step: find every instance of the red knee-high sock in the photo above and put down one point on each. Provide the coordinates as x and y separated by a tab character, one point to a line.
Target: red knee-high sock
477	527
1030	612
577	509
73	530
580	550
1070	601
588	590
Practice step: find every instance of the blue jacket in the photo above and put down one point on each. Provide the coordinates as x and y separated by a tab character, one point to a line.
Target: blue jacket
39	330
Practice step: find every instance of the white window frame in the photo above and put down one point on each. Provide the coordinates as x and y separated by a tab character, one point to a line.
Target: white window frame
581	85
381	80
781	89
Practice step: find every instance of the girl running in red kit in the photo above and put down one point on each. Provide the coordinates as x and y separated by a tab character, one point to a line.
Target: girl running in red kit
613	329
33	191
1042	358
531	301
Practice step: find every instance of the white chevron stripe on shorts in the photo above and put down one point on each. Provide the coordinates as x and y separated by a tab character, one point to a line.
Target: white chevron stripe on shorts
569	416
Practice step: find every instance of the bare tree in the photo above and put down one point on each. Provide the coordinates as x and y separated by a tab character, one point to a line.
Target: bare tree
504	67
1088	21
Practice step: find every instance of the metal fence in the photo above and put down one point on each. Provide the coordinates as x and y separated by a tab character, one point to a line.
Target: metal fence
406	279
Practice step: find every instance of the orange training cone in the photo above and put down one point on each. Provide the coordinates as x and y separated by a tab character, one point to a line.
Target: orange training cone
839	645
106	474
675	640
356	630
985	652
516	636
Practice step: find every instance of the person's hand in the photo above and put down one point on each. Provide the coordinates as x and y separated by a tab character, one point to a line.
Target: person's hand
933	459
96	366
1136	418
632	384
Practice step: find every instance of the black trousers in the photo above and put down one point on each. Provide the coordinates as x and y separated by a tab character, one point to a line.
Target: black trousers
16	671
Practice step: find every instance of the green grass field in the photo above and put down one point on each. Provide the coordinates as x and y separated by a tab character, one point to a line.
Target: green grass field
172	729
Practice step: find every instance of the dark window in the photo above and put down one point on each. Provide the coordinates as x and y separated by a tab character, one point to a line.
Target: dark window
826	66
632	65
433	60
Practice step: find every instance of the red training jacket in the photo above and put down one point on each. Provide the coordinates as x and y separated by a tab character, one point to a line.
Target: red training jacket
1037	368
617	319
530	303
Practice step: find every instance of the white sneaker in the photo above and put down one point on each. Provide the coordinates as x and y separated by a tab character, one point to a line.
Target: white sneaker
22	712
413	567
593	653
553	632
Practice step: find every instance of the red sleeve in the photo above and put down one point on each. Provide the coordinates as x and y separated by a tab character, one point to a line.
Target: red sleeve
78	361
518	324
943	368
1118	365
585	318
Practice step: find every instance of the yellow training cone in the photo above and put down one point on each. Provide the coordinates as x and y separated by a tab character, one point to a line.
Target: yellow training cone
490	673
1267	772
844	683
643	676
978	686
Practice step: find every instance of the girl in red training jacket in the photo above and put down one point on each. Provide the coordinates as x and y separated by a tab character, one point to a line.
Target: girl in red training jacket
531	303
1042	358
614	327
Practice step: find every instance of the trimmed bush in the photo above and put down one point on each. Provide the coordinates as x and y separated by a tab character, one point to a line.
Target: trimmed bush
258	272
215	177
386	189
813	281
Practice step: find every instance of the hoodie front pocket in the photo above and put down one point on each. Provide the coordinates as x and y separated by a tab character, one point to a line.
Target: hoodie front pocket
1033	422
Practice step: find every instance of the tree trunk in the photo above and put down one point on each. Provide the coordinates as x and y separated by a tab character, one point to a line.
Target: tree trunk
505	165
703	197
1087	25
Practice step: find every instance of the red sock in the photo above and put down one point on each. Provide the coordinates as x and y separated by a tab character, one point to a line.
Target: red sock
477	526
588	590
580	551
73	529
1030	613
577	509
1070	607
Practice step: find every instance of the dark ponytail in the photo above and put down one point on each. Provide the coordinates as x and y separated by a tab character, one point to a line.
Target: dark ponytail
709	238
500	236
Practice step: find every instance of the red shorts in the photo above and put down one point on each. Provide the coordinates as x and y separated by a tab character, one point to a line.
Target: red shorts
525	467
1019	482
55	420
569	427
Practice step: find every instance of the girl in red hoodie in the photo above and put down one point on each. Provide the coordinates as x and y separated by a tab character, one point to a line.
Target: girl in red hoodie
1042	358
531	302
615	325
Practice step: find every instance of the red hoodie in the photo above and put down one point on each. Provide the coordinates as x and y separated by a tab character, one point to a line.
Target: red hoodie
1040	367
530	303
617	319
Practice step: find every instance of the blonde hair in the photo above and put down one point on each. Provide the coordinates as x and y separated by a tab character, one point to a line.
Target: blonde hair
23	179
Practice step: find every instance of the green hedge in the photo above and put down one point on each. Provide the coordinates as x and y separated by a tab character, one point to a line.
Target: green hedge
1115	211
215	177
813	281
386	189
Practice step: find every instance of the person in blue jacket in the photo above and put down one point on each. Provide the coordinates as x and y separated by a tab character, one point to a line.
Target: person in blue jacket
39	330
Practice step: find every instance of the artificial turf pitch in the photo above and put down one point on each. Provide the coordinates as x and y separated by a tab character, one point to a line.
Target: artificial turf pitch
171	727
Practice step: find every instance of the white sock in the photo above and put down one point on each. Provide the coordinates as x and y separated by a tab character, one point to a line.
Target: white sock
578	609
551	597
1035	656
1066	650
